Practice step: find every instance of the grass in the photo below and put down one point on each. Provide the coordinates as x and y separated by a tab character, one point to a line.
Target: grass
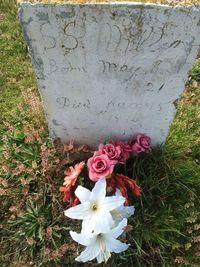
34	232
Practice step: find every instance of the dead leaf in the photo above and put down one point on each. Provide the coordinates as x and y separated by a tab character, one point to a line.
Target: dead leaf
68	147
34	164
3	182
30	241
19	169
25	191
3	192
84	148
66	161
49	232
179	259
128	228
24	181
13	209
196	239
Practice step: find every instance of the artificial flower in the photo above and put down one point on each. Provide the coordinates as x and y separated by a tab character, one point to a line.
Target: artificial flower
113	152
100	166
66	191
123	183
72	173
101	245
95	208
69	182
140	143
130	183
121	212
125	150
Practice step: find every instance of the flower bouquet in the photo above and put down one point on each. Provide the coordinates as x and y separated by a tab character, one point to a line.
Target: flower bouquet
105	208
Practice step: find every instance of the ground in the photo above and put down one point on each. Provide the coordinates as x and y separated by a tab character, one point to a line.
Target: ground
166	226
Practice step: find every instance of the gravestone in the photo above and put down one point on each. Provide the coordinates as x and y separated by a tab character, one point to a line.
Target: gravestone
110	70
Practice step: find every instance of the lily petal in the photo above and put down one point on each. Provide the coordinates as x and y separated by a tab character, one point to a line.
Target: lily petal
129	210
101	222
99	190
81	211
114	202
83	239
103	256
119	229
83	194
115	245
89	253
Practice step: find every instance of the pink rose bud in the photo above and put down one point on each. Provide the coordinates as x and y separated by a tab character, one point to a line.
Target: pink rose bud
100	166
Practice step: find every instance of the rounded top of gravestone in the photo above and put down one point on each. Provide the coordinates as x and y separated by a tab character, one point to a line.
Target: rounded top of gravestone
163	2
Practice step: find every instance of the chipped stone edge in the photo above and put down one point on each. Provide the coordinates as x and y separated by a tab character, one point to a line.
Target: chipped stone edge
71	2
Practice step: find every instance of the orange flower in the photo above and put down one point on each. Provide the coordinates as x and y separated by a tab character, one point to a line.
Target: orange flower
73	173
69	183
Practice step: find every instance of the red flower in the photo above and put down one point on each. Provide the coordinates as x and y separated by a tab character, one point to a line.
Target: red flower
131	184
121	186
123	183
66	191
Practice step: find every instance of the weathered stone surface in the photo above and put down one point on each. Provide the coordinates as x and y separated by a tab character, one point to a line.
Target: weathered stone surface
110	70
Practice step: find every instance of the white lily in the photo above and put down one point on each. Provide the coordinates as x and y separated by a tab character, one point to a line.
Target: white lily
95	208
101	245
121	212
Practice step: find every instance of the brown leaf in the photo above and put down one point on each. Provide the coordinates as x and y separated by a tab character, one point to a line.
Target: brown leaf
179	259
19	169
49	232
25	191
66	161
47	251
24	181
13	209
68	147
3	192
34	164
30	241
128	228
9	126
6	154
84	148
5	168
3	182
196	239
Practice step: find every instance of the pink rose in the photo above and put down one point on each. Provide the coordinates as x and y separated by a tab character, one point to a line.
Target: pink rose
113	152
140	143
125	150
100	166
